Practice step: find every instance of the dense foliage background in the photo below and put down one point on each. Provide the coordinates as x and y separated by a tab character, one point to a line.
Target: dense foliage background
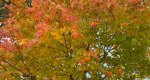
74	39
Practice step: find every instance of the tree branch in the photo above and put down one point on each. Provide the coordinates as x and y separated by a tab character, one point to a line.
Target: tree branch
22	59
12	65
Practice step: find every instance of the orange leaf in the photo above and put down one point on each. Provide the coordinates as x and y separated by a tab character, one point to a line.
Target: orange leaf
94	24
87	59
76	35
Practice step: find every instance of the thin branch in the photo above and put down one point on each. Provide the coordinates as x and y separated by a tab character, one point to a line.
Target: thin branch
66	43
3	67
56	49
17	47
12	65
114	18
127	39
9	50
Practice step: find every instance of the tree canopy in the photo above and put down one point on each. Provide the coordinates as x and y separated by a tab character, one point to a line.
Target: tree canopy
75	39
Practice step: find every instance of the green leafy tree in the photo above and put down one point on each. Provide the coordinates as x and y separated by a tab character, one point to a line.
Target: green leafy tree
75	40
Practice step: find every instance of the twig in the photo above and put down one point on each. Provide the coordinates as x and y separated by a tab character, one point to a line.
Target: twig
66	43
12	65
22	59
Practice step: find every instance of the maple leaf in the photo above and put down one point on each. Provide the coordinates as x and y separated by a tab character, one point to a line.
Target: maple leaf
135	1
82	62
57	36
124	24
43	27
72	19
23	41
76	35
75	28
120	71
39	34
9	7
96	1
30	9
38	15
64	16
87	59
94	24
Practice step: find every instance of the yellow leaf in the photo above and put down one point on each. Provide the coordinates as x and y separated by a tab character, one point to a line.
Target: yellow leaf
63	29
23	41
57	36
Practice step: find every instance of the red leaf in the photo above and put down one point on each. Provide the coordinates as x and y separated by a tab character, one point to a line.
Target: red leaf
96	1
43	27
82	62
72	19
75	28
30	9
38	15
94	24
9	7
39	34
135	1
76	35
109	74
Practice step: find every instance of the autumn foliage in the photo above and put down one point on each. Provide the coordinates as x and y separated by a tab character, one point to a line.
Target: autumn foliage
66	39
